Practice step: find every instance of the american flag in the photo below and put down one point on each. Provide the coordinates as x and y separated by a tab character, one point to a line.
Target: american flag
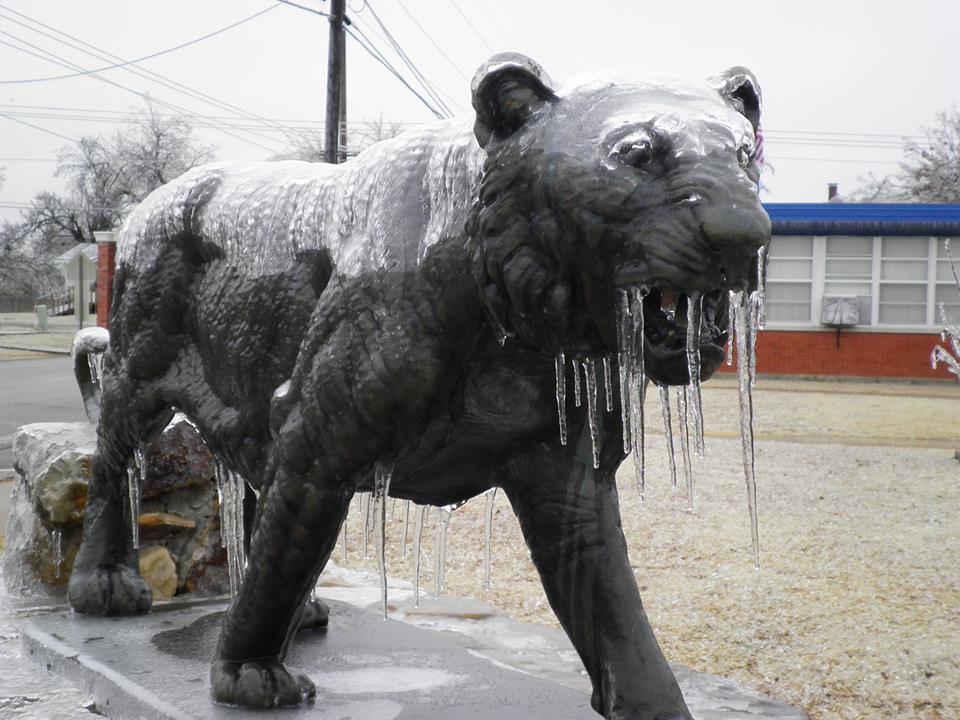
758	151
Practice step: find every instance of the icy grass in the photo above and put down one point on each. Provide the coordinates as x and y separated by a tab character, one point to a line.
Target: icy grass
856	611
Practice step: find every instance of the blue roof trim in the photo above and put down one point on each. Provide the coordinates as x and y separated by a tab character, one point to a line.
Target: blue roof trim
864	219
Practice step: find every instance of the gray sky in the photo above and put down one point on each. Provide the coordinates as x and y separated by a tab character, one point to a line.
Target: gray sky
843	80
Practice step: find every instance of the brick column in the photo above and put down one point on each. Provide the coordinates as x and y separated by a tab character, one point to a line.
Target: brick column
106	250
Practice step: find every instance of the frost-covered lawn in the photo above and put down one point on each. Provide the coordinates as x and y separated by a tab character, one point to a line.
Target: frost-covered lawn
856	610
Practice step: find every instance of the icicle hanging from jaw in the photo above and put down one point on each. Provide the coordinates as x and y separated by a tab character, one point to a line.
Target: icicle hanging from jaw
136	472
760	300
560	368
638	376
440	549
343	532
406	527
57	536
95	363
576	382
668	431
607	383
590	379
381	489
695	402
417	538
365	515
488	536
685	444
741	302
625	346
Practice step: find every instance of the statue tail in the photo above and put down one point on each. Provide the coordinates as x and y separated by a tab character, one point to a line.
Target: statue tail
89	345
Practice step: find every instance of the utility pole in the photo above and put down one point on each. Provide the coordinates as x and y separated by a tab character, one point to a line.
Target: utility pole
336	68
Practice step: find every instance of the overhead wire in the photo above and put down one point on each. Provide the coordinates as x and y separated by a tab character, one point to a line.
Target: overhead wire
143	57
149	75
472	26
63	62
37	127
432	41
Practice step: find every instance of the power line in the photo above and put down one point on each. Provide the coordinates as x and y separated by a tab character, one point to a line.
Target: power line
37	127
144	57
432	41
59	60
472	26
140	72
427	85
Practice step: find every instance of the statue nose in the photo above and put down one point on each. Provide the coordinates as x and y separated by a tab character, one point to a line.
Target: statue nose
735	236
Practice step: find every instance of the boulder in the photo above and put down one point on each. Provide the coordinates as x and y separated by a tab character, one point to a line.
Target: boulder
159	570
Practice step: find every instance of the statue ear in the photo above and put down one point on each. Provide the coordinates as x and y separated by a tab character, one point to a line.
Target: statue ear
507	90
740	89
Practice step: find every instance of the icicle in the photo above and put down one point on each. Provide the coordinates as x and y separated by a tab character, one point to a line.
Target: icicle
440	549
343	531
406	527
761	291
488	536
57	536
417	537
744	384
560	367
695	404
576	382
668	431
590	378
685	444
365	515
136	471
381	489
638	376
607	383
753	325
230	491
625	362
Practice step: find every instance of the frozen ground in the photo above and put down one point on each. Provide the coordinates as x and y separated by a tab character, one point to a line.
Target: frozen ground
856	610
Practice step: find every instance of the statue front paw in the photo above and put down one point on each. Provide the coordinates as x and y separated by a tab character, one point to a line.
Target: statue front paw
259	684
315	614
112	589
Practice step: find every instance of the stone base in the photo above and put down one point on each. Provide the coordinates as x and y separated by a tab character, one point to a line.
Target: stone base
479	665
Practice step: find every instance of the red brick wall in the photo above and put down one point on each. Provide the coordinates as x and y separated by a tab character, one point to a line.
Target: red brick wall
105	268
864	354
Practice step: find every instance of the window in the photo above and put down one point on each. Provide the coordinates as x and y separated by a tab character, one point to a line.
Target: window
903	280
849	271
946	291
789	279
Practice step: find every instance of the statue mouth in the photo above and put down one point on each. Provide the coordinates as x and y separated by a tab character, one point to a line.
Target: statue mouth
666	330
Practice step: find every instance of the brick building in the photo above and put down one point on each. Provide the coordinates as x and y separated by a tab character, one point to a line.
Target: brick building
884	265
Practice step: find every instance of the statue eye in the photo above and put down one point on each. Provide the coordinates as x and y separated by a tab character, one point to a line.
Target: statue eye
636	153
745	154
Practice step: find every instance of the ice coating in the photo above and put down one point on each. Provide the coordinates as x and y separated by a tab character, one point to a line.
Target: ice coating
381	489
638	376
668	431
91	340
741	304
590	380
560	368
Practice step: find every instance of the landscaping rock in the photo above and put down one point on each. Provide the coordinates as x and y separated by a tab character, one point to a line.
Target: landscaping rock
159	570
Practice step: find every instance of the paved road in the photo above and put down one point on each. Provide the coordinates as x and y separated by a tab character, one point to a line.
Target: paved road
35	391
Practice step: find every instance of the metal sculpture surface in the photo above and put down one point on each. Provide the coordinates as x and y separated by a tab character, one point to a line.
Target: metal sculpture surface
404	319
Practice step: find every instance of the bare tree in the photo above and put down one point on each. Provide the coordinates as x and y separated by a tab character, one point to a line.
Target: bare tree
106	176
308	144
929	171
